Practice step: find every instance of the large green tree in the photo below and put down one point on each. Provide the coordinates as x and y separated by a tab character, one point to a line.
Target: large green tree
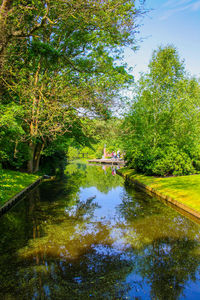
161	132
58	63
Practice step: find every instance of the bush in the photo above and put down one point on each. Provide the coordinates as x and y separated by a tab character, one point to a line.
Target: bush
196	165
162	161
174	162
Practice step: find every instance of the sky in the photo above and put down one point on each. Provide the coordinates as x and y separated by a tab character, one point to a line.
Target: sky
169	22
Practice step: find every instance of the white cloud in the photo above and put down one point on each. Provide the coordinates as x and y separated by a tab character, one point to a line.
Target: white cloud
178	6
195	6
172	3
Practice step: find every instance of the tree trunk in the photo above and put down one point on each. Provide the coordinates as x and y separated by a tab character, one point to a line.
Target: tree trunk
30	164
35	151
37	156
4	32
4	38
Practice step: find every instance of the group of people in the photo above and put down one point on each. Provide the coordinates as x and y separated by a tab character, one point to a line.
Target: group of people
114	168
116	155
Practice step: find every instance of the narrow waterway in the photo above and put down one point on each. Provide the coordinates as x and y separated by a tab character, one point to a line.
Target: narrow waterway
90	236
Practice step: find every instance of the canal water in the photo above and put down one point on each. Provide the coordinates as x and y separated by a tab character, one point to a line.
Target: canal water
90	236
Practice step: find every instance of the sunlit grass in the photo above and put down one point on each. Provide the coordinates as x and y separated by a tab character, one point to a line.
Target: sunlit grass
13	182
185	189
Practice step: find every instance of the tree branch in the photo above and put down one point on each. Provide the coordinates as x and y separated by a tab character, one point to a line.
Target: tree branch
36	27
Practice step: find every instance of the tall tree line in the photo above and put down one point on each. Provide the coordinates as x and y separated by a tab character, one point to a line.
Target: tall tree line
162	129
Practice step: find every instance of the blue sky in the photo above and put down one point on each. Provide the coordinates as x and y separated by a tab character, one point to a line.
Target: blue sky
169	22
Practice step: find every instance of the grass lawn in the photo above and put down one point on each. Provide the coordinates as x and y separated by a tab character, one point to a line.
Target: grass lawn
184	189
12	182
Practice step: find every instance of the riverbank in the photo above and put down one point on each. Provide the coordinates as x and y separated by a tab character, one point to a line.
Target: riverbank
182	191
14	182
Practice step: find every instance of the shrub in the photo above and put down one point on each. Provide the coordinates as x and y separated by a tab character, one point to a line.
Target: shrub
162	161
174	162
196	164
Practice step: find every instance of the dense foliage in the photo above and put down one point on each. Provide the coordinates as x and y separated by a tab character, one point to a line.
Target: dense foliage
60	63
161	131
105	134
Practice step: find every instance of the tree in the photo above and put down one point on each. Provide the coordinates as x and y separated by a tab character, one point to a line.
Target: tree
162	128
59	62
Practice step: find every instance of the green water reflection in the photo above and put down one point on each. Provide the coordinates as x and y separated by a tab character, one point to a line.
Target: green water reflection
90	237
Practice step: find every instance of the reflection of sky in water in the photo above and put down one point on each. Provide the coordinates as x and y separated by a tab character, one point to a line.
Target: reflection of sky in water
139	287
108	212
107	203
127	246
192	290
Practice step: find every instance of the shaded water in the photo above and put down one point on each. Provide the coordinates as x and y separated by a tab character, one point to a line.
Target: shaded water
90	236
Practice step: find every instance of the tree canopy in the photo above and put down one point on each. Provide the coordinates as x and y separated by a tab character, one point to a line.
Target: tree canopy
61	62
161	131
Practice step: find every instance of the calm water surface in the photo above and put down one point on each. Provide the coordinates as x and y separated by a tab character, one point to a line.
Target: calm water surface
89	236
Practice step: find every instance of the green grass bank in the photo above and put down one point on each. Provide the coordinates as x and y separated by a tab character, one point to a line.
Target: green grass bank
183	189
13	182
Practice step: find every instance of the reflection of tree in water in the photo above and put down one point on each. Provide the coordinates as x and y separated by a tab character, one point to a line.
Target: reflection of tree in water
168	265
168	244
43	270
94	176
137	204
53	248
94	275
